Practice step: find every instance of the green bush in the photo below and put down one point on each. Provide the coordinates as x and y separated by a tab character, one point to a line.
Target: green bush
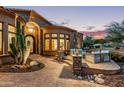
117	57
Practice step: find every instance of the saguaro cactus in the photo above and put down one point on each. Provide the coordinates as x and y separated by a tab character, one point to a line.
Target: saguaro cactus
14	50
18	47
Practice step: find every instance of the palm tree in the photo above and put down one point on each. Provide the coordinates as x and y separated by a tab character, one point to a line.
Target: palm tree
115	32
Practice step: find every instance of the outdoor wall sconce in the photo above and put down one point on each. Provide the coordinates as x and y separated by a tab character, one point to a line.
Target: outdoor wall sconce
30	30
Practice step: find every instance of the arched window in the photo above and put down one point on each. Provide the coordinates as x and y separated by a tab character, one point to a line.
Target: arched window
1	37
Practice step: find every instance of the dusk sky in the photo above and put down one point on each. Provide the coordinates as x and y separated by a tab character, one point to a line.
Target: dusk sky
80	18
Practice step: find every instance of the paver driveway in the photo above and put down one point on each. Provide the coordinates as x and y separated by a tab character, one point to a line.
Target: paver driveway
54	74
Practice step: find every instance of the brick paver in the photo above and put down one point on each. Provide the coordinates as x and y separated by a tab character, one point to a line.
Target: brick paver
54	74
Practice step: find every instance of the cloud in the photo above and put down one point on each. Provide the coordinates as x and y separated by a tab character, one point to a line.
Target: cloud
105	25
65	22
89	27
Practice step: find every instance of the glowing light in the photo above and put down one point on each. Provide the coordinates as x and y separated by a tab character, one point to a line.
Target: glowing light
30	30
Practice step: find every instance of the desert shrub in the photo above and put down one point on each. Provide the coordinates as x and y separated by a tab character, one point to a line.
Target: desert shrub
117	57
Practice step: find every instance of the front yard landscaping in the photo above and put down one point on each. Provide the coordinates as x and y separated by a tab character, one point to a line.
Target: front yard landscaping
15	68
54	74
48	72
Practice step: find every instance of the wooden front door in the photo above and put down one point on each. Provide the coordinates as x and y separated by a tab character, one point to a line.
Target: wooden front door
30	43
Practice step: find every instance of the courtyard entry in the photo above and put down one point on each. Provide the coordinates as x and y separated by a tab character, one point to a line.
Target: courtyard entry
30	43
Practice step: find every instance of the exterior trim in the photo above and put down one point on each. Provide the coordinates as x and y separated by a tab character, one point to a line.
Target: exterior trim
59	27
7	12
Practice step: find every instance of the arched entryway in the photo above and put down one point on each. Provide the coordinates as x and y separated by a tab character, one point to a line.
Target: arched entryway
33	37
30	43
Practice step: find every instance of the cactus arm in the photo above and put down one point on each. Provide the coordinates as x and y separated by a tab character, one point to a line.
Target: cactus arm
14	52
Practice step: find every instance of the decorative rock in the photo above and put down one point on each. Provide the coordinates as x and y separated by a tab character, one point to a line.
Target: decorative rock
100	75
85	77
34	63
91	81
88	77
95	75
99	80
80	77
92	77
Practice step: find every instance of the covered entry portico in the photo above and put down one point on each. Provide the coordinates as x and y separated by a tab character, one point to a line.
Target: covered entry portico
32	37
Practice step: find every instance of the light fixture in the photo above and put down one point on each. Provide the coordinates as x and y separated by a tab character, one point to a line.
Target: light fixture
30	30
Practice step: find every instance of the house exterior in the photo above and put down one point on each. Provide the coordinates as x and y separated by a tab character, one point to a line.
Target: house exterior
42	36
58	38
7	28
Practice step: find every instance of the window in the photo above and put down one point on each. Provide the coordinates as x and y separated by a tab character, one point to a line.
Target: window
67	42
61	35
54	35
67	45
1	43
54	44
11	34
11	29
47	44
1	26
1	37
67	36
47	35
62	44
47	41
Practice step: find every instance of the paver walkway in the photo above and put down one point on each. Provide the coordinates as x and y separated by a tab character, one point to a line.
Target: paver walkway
54	74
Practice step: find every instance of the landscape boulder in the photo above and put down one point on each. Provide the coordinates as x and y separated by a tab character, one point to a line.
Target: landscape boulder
35	63
100	75
80	77
99	80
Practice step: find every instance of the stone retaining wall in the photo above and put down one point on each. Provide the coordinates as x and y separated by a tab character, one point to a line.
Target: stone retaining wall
86	70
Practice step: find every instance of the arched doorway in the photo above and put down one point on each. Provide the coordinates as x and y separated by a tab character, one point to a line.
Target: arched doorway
33	37
30	43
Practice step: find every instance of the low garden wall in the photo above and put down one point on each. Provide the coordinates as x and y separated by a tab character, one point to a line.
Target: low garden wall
86	70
